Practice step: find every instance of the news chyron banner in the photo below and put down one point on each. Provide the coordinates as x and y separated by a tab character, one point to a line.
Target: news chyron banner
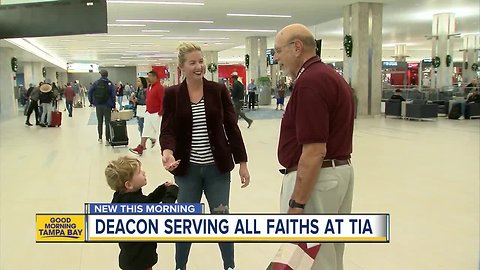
187	222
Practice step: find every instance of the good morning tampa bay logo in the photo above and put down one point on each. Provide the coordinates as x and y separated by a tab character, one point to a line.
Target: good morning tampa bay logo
60	227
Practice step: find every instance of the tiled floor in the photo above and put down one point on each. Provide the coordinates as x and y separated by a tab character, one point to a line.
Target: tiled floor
425	174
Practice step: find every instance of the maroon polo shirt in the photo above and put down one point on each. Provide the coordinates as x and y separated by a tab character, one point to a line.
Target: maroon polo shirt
320	110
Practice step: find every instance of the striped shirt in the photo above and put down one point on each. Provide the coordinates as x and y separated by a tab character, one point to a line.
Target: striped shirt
201	152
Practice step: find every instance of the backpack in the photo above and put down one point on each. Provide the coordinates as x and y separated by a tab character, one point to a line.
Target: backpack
101	92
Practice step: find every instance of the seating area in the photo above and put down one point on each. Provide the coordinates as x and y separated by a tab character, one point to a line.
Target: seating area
415	109
426	105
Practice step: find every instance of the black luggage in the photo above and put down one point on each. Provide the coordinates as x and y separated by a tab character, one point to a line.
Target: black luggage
455	111
118	133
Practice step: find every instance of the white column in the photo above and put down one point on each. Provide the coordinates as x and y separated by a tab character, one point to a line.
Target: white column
209	58
363	21
62	78
28	74
8	104
400	53
37	75
443	26
256	48
51	74
471	45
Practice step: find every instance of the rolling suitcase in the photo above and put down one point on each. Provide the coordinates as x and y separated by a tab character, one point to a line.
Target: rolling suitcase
56	119
118	133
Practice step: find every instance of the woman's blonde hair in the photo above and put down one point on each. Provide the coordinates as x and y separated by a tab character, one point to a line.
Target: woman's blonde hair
120	171
184	48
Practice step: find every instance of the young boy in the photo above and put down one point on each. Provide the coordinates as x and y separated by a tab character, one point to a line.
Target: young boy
126	177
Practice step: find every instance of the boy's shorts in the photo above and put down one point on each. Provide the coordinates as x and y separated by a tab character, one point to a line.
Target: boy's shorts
151	125
280	100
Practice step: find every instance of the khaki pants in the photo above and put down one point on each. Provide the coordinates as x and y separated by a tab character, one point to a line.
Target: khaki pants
332	194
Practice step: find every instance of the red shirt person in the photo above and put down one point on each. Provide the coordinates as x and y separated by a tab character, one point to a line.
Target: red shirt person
315	137
154	111
69	98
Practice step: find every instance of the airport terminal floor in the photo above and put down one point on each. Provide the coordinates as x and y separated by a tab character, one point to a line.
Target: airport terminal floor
425	174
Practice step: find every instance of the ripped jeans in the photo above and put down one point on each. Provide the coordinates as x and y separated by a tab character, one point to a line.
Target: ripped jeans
216	186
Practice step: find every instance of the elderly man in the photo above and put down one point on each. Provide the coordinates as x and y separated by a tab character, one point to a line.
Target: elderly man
315	137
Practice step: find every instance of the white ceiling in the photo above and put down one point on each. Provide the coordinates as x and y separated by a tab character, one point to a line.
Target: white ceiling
404	21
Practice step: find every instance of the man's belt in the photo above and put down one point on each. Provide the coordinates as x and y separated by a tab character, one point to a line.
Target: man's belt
326	164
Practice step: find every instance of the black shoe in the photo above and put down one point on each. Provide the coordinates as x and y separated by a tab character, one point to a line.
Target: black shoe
28	124
37	124
69	115
250	123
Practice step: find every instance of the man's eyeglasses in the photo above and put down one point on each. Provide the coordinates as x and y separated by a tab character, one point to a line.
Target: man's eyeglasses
279	49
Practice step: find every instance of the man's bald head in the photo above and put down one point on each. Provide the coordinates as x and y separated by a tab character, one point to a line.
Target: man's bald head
300	32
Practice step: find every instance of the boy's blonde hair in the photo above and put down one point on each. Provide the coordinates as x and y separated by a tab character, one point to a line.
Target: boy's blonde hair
184	48
120	171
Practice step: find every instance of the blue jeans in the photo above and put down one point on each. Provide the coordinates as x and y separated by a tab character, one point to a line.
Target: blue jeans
120	102
140	120
216	186
69	105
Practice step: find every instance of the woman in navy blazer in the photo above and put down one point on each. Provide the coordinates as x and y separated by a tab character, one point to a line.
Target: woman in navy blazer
199	137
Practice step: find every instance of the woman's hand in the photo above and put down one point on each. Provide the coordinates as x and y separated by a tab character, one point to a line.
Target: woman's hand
168	160
244	174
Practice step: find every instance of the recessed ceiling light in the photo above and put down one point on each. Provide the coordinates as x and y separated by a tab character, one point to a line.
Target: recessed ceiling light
125	25
141	51
196	38
470	34
237	30
135	35
89	3
258	15
155	31
156	2
164	21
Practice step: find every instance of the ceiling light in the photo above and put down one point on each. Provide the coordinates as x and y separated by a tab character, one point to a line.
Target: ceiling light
155	31
119	65
470	34
196	38
125	25
258	15
240	47
141	51
164	21
156	2
135	35
89	3
237	30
